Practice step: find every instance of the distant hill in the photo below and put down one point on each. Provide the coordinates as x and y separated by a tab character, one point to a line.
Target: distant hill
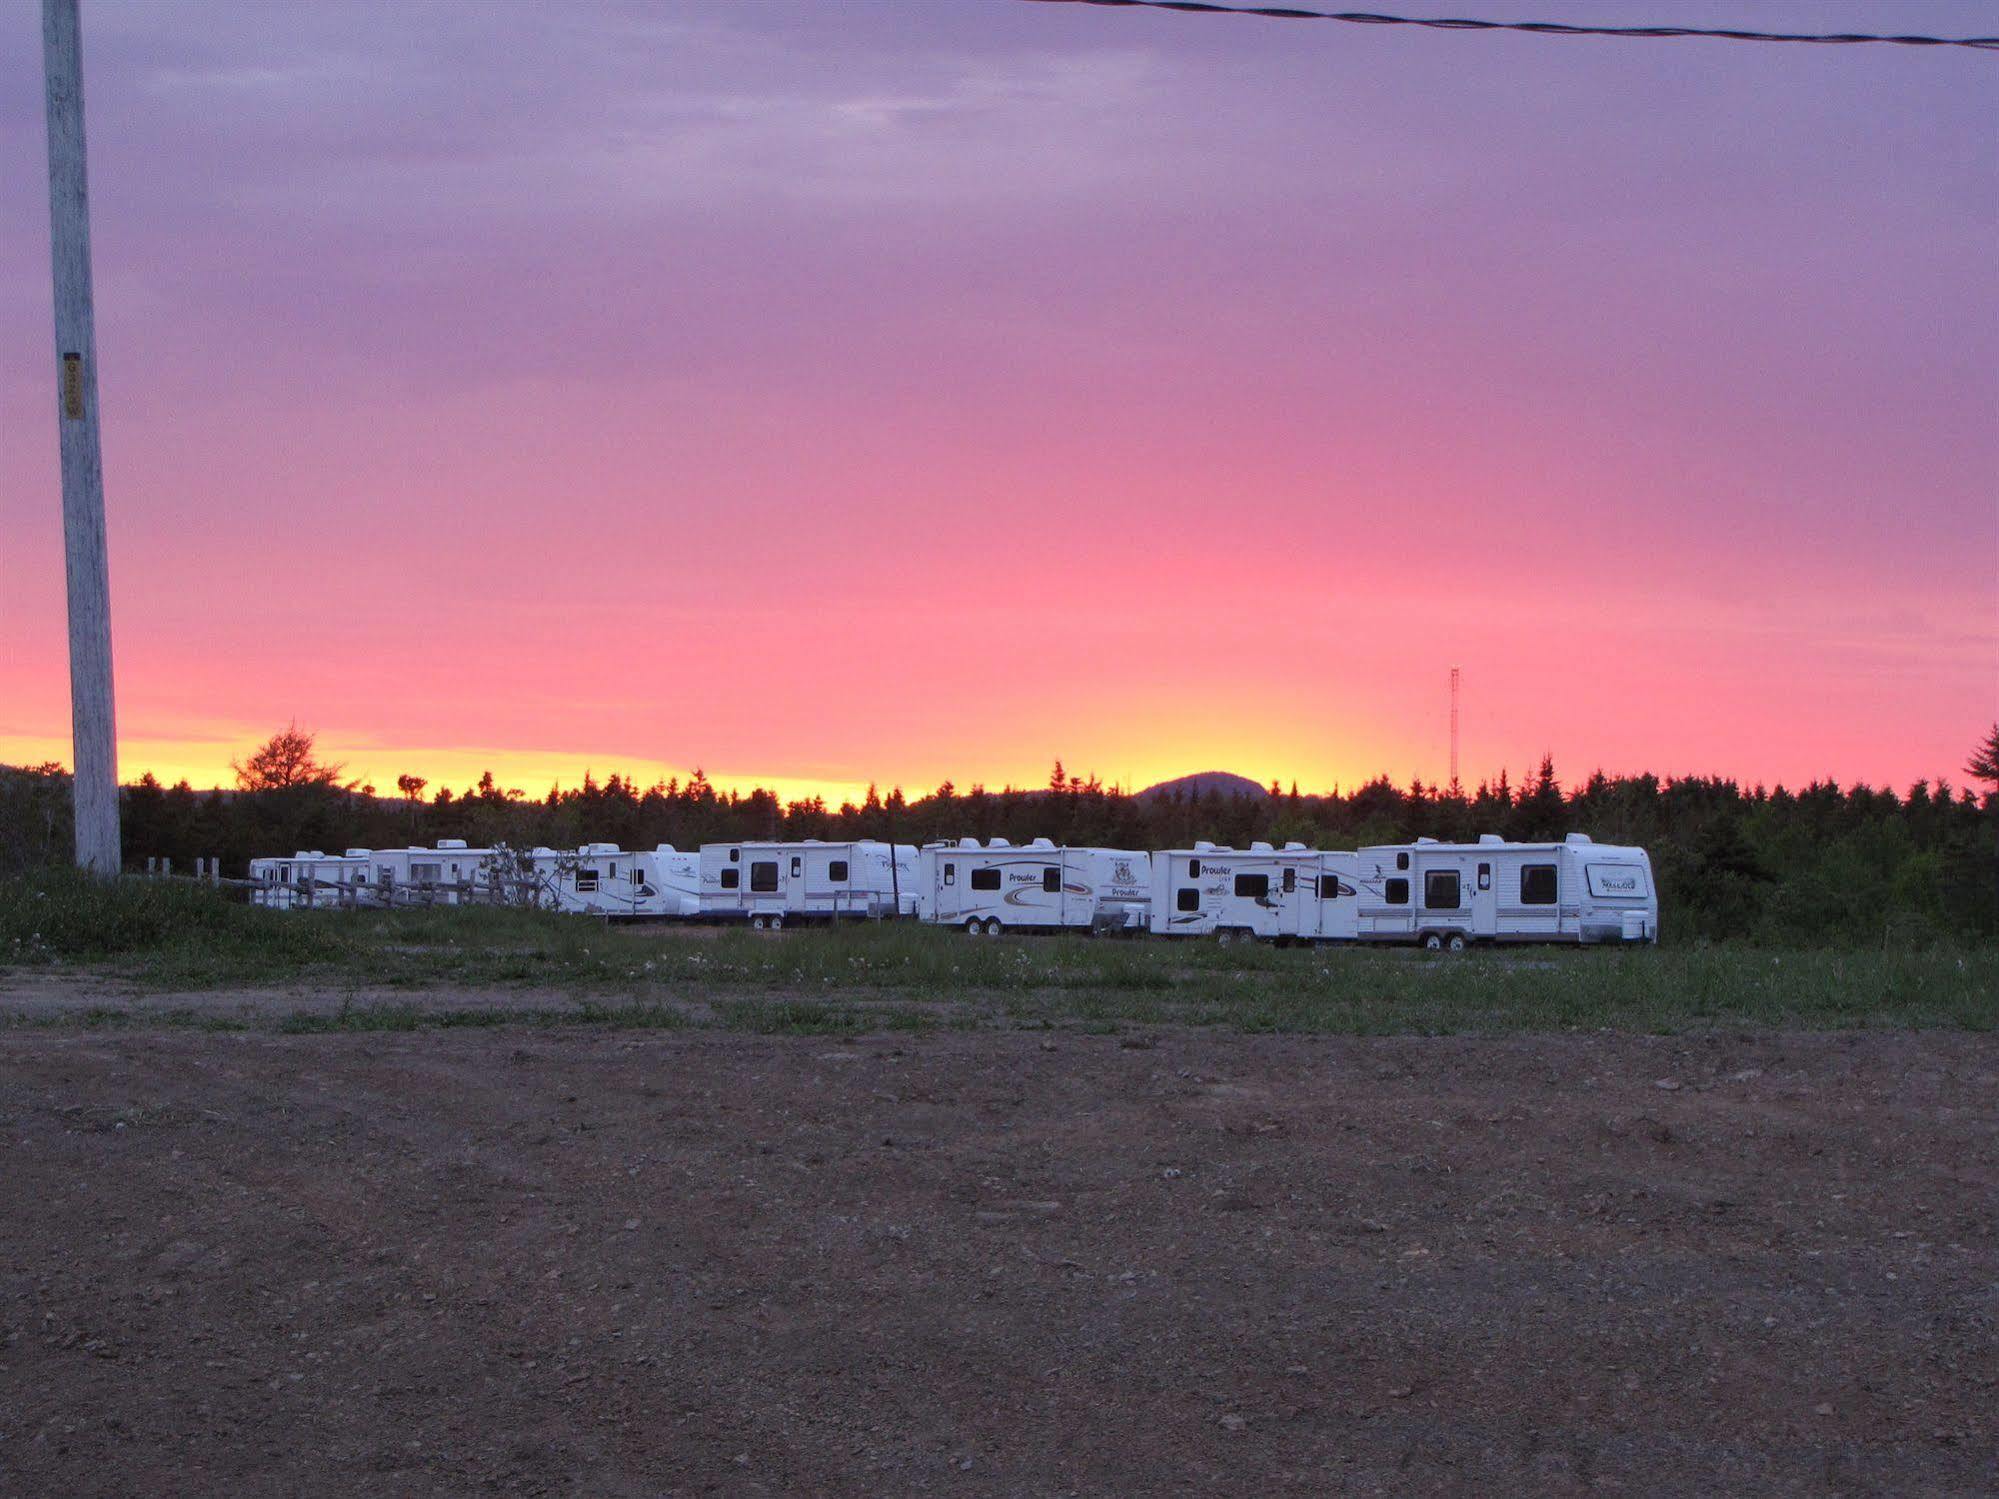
1226	783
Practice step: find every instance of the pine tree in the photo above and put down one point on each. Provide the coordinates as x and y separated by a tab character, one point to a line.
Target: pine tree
1984	762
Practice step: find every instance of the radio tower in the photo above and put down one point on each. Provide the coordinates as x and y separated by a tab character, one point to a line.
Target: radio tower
1454	731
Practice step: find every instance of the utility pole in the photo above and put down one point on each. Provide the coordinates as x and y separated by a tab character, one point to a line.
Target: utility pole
1454	731
94	790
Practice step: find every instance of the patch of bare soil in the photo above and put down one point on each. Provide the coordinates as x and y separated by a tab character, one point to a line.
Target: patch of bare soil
580	1262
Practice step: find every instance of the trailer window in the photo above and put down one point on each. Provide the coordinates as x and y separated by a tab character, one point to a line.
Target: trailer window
1255	886
1290	880
1537	884
837	871
614	870
763	876
636	877
985	879
1193	869
1396	892
735	856
1440	890
1189	899
731	878
1329	887
1401	861
1616	881
586	879
950	874
284	871
1485	877
796	865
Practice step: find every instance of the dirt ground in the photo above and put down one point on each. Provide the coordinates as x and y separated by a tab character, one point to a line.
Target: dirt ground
577	1261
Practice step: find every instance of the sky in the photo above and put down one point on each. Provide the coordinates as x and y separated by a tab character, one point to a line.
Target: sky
903	390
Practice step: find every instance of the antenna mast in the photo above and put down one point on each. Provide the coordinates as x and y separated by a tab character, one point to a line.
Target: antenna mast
1454	731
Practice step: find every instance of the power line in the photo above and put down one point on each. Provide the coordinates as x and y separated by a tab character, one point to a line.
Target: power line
1539	28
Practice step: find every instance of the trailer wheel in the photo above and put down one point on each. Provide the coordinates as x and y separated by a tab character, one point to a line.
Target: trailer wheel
974	927
777	920
757	923
1456	942
1433	942
993	927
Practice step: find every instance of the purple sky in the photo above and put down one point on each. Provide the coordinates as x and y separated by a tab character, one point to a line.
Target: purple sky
829	392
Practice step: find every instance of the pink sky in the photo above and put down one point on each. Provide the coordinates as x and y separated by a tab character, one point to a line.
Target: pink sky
901	391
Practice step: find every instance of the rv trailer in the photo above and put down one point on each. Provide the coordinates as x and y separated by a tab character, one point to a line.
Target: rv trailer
448	875
1260	893
601	879
1449	895
310	878
1038	886
771	884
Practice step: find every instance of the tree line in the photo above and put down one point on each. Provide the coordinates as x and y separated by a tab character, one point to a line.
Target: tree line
1852	864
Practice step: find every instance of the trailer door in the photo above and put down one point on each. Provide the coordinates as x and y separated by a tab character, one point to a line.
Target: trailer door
1485	897
1297	899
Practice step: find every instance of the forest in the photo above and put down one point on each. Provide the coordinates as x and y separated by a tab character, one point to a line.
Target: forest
1825	864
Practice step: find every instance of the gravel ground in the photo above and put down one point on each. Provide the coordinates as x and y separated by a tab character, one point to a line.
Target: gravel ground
577	1261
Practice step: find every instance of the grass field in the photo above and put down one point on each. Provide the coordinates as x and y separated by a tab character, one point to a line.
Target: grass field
165	937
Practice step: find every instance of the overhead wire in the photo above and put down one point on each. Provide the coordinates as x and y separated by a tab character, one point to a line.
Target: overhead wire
1541	28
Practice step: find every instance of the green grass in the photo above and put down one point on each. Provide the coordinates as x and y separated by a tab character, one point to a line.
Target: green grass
170	937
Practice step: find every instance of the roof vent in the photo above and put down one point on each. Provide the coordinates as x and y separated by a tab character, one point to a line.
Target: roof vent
1202	846
968	843
1294	847
357	853
666	848
444	843
1486	840
998	843
1426	840
1259	847
1577	838
1041	843
601	848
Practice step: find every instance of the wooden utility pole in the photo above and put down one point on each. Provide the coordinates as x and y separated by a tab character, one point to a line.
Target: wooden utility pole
95	788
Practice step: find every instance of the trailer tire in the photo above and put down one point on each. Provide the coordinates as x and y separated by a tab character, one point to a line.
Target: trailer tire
1455	942
993	927
974	927
756	923
1433	942
777	921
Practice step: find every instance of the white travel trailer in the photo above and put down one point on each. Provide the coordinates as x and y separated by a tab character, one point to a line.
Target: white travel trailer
770	884
1293	893
310	879
1035	886
1448	895
448	875
601	879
